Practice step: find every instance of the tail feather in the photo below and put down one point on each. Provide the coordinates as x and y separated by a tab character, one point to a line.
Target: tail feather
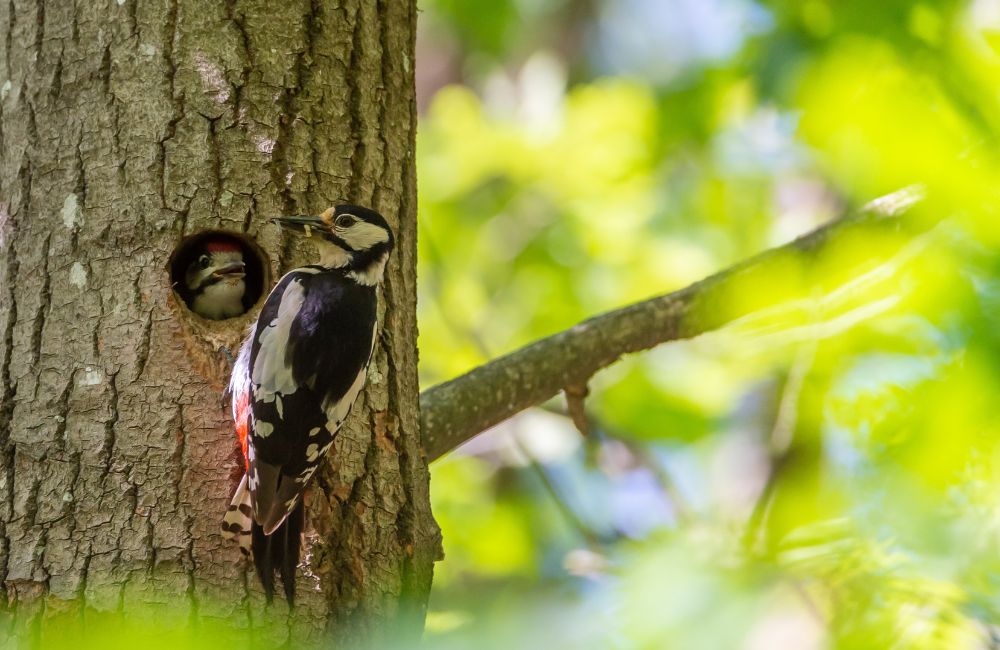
293	544
237	522
279	552
263	559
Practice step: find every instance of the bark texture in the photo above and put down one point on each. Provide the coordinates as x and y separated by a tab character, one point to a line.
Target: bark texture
126	125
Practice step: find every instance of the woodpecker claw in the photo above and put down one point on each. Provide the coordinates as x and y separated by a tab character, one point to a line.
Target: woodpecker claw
228	354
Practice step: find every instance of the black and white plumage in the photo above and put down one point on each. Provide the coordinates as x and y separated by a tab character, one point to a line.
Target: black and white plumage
297	375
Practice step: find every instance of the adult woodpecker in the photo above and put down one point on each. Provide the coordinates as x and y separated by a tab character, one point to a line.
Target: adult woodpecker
297	376
214	280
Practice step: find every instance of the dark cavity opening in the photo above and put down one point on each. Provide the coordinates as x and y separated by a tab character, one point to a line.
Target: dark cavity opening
218	245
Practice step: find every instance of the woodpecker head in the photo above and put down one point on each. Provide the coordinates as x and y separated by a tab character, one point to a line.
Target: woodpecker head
347	236
215	280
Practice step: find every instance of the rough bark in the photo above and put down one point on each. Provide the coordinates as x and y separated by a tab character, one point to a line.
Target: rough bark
457	410
126	125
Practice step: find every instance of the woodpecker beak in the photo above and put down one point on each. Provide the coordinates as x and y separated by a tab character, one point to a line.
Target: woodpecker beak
303	225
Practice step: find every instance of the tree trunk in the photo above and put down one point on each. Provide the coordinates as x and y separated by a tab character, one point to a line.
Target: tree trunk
125	126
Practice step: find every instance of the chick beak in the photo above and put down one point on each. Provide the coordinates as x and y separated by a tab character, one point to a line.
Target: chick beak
303	225
230	271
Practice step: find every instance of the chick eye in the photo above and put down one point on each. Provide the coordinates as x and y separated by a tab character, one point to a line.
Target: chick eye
345	221
203	261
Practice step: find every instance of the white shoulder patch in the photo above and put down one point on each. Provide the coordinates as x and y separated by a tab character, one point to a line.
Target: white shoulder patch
270	372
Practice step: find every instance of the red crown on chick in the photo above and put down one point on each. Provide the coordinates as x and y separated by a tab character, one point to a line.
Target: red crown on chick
223	246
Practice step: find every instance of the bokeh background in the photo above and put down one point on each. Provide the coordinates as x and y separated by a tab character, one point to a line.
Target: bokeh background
823	473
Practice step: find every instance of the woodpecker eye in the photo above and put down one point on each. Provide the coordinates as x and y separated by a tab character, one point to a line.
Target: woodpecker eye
345	220
203	261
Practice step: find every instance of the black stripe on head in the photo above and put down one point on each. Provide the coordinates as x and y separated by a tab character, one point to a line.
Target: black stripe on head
335	239
369	215
361	260
361	212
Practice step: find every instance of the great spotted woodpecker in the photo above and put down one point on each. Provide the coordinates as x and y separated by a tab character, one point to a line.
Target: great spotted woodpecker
215	281
296	377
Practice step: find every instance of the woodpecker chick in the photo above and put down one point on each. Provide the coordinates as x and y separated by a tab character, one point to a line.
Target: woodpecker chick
297	375
215	280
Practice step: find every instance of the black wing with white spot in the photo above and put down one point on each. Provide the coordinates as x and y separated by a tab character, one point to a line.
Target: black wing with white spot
308	359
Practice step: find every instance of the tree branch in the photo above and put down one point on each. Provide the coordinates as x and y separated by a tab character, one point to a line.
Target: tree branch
457	410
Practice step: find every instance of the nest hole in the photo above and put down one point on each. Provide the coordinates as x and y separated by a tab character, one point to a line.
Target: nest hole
186	265
212	343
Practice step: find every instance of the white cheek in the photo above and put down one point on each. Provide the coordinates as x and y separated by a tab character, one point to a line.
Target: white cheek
363	235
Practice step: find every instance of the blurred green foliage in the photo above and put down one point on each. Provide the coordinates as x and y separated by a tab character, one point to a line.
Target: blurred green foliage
821	473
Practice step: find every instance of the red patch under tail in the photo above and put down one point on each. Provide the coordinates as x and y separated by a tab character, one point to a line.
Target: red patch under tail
241	416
